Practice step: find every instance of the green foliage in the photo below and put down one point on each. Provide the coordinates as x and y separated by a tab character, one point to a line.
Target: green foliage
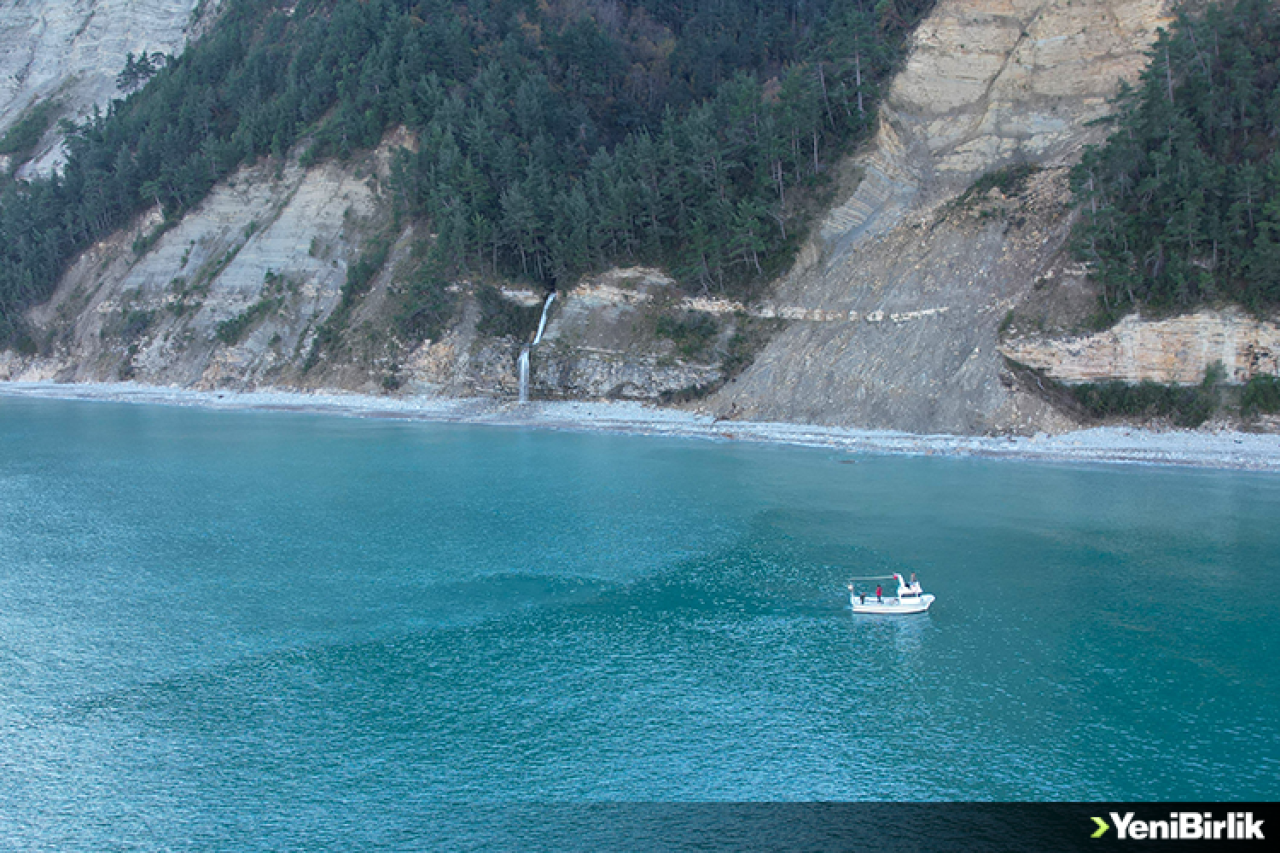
711	186
750	336
232	331
135	322
555	137
25	134
1010	181
360	274
188	297
1186	406
500	317
327	338
692	332
1214	375
1261	396
1006	323
1182	204
21	340
143	242
424	307
139	69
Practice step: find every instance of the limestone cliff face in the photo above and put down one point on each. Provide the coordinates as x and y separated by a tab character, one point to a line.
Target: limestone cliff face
274	232
269	250
894	313
1172	350
988	83
601	343
72	50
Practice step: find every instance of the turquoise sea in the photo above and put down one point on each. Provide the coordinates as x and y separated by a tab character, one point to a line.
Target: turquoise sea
236	631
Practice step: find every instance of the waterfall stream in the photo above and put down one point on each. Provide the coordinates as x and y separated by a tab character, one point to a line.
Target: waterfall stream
524	352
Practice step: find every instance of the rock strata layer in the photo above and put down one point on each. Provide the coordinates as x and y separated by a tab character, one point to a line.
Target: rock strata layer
988	84
273	242
73	50
892	317
1174	350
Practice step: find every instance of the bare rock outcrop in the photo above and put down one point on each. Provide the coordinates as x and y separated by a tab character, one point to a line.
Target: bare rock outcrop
72	50
271	245
601	344
1170	350
236	294
988	83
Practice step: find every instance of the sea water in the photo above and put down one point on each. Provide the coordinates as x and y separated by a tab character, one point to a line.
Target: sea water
225	630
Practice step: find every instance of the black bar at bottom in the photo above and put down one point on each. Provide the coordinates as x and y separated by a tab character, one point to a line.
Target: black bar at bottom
822	827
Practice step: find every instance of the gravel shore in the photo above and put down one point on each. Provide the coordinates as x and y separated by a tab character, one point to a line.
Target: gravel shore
1202	448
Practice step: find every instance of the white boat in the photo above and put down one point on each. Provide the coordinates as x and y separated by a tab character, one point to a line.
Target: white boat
910	598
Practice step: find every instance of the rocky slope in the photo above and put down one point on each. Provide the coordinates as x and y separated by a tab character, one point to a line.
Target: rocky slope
273	232
987	85
599	343
900	312
1175	349
72	50
268	253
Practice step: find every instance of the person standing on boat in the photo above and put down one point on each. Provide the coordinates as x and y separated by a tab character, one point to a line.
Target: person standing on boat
879	593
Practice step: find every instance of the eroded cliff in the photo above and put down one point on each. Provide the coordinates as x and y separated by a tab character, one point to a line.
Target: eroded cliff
72	51
899	313
987	85
237	294
276	236
1167	350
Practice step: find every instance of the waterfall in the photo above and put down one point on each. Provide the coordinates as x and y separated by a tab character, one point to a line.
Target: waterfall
542	321
524	352
524	374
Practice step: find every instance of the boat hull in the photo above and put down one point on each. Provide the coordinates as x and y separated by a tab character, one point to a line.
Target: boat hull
891	605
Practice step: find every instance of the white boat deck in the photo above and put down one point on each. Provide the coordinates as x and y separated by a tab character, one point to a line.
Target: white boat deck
910	599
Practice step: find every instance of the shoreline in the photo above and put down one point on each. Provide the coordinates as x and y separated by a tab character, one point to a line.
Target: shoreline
1228	450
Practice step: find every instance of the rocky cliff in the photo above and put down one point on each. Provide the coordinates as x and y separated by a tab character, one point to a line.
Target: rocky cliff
236	294
147	304
71	51
987	85
1167	350
946	256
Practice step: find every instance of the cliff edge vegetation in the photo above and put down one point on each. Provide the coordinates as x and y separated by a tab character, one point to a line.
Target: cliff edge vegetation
1181	205
551	139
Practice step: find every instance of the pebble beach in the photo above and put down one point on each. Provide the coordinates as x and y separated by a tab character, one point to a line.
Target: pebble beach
1209	447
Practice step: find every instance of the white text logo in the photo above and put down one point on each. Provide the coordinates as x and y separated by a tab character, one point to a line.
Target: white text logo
1188	826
